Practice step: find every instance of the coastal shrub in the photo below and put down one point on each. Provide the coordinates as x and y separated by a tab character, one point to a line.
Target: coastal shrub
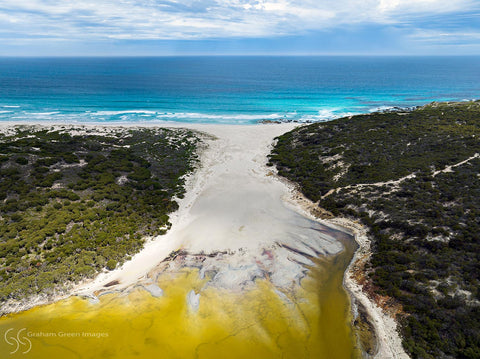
62	219
112	264
21	160
424	228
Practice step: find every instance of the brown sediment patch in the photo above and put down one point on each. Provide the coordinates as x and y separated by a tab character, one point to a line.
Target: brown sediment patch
359	273
365	331
295	250
112	283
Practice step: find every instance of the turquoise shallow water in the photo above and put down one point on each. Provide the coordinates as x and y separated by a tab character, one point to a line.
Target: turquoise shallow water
226	89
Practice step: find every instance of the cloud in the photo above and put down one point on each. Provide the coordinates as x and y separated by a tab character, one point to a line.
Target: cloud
206	19
453	38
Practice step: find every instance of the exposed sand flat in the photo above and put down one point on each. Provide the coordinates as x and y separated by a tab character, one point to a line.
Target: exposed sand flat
233	221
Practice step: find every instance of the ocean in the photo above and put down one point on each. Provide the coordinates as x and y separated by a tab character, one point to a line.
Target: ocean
231	90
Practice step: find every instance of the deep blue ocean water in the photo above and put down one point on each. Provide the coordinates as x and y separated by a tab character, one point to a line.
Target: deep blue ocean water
226	89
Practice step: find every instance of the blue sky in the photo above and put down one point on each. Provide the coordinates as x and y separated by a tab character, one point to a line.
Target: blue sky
239	27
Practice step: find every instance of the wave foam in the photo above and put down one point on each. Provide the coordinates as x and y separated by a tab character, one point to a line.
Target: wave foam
44	113
124	112
160	117
326	115
381	108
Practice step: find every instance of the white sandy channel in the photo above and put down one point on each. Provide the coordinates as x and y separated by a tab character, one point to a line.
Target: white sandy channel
233	205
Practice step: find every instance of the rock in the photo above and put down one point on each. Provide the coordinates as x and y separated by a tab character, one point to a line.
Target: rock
193	300
154	290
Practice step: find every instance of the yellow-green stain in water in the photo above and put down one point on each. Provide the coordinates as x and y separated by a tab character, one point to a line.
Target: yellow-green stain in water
312	322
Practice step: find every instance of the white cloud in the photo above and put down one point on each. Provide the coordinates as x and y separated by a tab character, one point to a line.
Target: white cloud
200	19
422	6
445	37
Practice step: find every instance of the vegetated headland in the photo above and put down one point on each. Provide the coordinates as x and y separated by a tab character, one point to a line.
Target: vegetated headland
412	178
77	200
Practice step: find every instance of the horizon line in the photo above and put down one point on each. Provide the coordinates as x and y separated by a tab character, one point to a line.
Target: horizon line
238	55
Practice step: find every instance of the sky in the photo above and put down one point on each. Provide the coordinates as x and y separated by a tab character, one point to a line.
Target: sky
239	27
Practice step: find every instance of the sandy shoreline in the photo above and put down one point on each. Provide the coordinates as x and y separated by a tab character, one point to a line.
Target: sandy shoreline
388	340
234	163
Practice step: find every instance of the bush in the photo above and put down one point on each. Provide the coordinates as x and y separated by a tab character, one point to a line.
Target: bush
111	264
21	160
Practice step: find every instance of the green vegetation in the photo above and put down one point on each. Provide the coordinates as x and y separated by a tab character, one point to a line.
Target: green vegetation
424	228
73	202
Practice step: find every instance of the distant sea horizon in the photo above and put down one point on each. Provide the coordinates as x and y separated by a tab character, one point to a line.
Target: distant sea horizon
226	89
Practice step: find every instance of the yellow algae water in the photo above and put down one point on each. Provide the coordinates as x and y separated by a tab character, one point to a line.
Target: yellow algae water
312	322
